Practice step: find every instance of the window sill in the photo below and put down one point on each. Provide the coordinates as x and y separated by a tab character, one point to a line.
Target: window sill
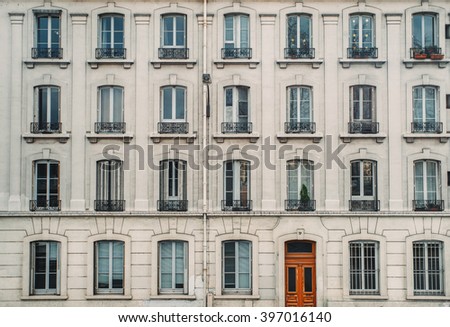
315	63
156	137
410	137
61	137
44	298
172	297
158	63
30	63
284	137
427	297
109	297
367	297
220	64
95	63
94	138
252	137
409	63
347	138
236	297
346	63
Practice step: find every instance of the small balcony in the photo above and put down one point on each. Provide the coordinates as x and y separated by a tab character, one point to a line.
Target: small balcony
428	205
237	128
109	205
45	128
173	128
431	52
362	53
173	53
110	127
364	205
45	205
236	205
172	205
46	53
236	53
299	127
300	205
299	53
427	127
110	53
363	127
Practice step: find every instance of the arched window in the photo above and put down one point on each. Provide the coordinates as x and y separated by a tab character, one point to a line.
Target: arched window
110	110
300	183
109	186
173	190
46	195
111	37
236	186
364	186
299	110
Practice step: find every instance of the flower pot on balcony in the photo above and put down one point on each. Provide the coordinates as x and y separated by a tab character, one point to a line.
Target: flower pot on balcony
436	56
420	56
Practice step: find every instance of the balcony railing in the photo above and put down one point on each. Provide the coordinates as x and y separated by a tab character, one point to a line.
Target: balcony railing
300	205
428	205
362	53
110	127
109	205
110	53
173	53
300	127
364	205
235	53
363	127
45	205
431	52
427	127
49	53
38	128
237	128
172	205
299	53
236	205
173	128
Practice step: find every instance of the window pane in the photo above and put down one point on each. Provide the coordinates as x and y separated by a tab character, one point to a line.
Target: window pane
180	103
292	279
417	31
299	247
305	32
167	103
308	279
244	32
118	104
292	30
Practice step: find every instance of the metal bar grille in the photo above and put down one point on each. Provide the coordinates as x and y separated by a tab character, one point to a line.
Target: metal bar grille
364	268
427	265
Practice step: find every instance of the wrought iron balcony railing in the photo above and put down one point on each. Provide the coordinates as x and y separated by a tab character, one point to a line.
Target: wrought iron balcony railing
364	205
362	53
172	205
300	205
428	205
236	205
110	53
173	128
109	205
45	205
235	53
237	128
431	52
49	53
300	127
299	53
110	127
40	127
427	127
173	53
363	127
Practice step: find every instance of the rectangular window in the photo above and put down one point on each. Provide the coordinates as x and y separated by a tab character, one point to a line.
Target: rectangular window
173	263
45	268
364	269
47	36
426	110
109	267
173	31
109	186
47	110
424	30
363	110
110	110
299	37
364	186
111	37
362	37
236	110
236	37
427	186
237	186
46	186
428	268
300	186
173	186
237	267
173	103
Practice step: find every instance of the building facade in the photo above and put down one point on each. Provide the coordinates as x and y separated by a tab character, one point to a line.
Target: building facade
224	153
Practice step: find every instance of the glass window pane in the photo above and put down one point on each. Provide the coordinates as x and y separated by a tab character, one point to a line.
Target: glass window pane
167	103
180	103
292	279
307	276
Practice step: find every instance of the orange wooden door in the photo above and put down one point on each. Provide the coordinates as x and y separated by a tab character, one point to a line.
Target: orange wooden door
300	274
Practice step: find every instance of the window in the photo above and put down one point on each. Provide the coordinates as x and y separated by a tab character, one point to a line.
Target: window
172	186
299	37
237	267
363	110
237	37
173	110
47	36
364	270
45	268
111	37
428	268
46	110
109	267
364	186
300	186
46	186
109	186
236	110
110	110
425	110
173	37
300	116
237	186
425	36
427	186
173	266
362	37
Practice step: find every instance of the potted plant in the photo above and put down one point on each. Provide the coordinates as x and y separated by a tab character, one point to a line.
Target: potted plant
304	198
419	54
433	52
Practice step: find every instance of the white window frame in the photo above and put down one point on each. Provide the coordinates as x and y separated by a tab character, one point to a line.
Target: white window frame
359	89
173	288
111	112
175	100
303	171
236	172
174	31
110	289
234	117
422	43
361	178
50	39
112	44
360	42
173	172
237	29
362	270
237	272
47	179
296	43
423	98
37	98
46	290
297	103
113	189
425	179
427	271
